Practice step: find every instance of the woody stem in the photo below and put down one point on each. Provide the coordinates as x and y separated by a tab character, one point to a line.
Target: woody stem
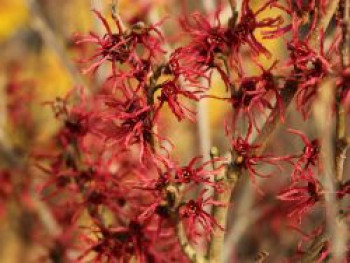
341	143
229	178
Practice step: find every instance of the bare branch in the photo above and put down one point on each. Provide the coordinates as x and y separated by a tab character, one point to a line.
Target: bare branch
186	246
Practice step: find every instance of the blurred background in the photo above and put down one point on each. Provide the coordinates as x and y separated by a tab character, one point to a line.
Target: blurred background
39	62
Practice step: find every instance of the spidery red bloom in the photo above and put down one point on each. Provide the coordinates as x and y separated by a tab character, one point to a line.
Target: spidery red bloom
126	122
179	66
302	196
76	118
201	174
254	96
200	55
310	68
119	244
192	212
243	32
171	92
206	40
245	158
308	159
121	47
166	187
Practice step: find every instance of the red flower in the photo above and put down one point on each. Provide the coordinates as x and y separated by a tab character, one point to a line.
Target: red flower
155	184
206	40
179	65
126	122
165	187
192	212
245	158
121	47
254	95
119	244
76	119
310	68
200	55
170	93
61	173
189	174
309	157
302	198
243	32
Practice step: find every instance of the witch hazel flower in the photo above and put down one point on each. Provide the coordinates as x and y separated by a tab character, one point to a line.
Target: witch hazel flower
304	12
159	186
161	209
199	174
243	32
107	190
111	47
207	41
182	65
123	174
311	67
118	244
60	179
171	93
126	122
76	118
193	212
308	159
245	158
167	187
121	47
302	195
255	94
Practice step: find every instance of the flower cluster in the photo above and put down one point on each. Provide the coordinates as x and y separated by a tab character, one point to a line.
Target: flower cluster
112	160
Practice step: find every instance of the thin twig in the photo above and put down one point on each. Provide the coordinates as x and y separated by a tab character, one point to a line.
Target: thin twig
323	22
229	178
323	116
186	247
115	14
341	142
246	217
